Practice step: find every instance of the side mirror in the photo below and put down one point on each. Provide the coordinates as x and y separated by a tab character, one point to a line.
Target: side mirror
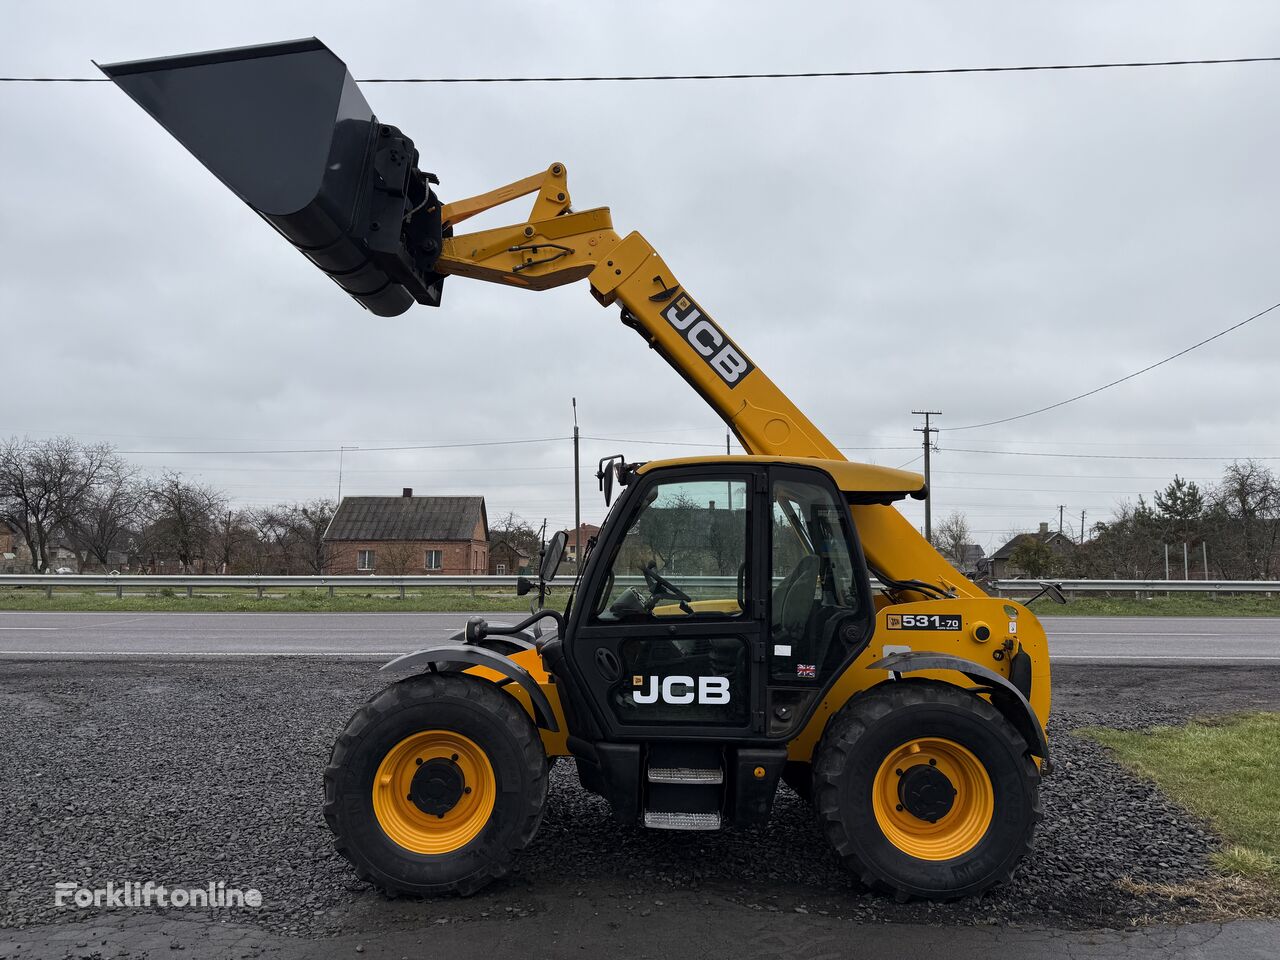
1051	590
554	554
605	473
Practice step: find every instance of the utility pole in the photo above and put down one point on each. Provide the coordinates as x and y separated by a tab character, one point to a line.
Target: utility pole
728	485
577	495
1204	553
1060	509
341	451
928	498
1082	527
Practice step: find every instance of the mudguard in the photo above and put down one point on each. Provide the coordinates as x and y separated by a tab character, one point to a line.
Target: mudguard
1005	697
446	657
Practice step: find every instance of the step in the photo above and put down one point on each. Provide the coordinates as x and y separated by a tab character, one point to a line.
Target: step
661	820
690	775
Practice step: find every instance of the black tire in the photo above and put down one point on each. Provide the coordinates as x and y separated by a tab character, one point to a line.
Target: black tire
473	708
867	731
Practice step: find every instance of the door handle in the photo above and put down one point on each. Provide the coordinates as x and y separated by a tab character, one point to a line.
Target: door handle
607	663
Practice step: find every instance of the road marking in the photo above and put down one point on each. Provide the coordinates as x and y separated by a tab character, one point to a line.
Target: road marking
380	654
1160	620
463	614
28	628
374	654
1244	658
1164	636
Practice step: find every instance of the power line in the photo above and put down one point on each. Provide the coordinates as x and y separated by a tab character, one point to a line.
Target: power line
709	443
1105	386
802	75
419	446
1092	456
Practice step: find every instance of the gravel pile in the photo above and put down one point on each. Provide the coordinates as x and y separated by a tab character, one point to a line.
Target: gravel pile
187	773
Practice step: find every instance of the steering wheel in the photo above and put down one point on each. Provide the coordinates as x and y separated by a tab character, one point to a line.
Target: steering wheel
660	585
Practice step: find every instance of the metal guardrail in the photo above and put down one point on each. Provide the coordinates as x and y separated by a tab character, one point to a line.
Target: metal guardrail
1008	587
191	582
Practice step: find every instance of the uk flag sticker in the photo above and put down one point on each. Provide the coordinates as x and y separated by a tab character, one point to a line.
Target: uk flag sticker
806	671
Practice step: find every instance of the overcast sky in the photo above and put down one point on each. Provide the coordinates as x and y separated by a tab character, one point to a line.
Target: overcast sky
982	245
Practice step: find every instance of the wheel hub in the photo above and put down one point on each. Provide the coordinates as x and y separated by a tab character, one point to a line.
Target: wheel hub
437	786
925	792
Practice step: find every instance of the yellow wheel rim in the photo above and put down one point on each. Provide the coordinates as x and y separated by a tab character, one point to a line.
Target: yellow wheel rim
472	791
957	830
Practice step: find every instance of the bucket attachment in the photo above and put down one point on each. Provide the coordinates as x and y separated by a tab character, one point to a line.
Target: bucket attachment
286	128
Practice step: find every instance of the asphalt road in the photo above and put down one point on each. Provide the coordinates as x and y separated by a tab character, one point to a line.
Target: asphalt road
385	635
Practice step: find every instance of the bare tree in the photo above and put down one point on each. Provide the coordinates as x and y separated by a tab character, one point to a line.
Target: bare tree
109	515
1244	521
1130	544
233	542
307	524
45	484
271	550
184	517
516	531
396	558
952	536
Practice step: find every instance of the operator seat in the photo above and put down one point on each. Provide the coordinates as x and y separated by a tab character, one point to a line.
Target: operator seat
793	602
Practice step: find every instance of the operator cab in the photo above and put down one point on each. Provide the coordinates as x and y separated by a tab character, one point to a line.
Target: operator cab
722	599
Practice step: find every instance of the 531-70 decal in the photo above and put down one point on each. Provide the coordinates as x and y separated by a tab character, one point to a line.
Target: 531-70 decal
923	621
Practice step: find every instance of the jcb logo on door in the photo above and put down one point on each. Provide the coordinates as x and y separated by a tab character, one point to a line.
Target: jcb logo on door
707	339
680	690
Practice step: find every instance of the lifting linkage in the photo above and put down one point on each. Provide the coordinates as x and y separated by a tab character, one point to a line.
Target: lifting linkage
557	245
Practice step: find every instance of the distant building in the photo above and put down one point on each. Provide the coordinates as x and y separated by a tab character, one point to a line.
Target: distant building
9	540
448	536
586	532
15	555
972	560
1002	566
507	560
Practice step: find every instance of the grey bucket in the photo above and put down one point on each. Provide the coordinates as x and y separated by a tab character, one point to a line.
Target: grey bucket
286	128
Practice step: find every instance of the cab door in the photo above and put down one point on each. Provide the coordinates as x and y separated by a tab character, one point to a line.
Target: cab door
668	637
821	614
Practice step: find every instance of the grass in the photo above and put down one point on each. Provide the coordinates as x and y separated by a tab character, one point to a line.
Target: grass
246	601
360	600
1176	605
1227	771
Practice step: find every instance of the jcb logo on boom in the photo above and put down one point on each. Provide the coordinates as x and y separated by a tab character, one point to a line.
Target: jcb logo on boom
708	340
681	690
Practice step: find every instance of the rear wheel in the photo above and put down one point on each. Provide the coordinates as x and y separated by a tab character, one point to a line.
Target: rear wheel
925	789
435	784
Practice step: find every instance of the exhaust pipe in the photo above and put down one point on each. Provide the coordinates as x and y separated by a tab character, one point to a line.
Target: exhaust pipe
286	128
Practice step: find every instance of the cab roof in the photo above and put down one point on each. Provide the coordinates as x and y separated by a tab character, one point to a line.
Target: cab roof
860	482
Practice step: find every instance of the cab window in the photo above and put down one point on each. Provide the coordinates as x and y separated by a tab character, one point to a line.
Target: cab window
684	554
814	605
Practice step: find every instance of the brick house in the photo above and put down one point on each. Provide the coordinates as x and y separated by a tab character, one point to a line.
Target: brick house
506	559
9	540
586	531
448	536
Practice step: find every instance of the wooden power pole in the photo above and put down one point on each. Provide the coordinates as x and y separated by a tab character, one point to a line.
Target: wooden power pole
928	482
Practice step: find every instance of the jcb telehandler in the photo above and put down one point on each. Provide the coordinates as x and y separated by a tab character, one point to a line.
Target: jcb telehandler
723	632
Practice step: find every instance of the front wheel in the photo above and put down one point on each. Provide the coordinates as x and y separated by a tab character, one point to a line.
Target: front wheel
925	789
435	784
